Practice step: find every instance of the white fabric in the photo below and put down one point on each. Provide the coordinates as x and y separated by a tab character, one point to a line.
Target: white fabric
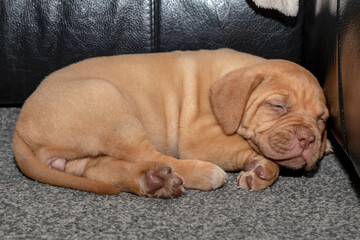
287	7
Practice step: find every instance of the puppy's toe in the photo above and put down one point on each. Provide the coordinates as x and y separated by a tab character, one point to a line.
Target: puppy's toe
162	182
258	175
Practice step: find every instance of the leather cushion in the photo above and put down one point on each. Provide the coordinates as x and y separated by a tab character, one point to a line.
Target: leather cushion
40	36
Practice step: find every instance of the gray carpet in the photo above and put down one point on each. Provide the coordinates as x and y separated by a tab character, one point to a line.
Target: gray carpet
322	205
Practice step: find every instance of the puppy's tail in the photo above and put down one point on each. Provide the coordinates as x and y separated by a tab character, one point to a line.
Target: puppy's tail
36	170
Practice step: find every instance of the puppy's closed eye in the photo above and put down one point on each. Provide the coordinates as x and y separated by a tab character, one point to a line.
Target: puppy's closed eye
279	108
321	121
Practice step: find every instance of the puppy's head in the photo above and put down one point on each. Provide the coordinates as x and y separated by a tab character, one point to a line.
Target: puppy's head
278	107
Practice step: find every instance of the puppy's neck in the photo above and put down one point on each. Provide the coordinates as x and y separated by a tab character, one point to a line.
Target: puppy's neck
245	133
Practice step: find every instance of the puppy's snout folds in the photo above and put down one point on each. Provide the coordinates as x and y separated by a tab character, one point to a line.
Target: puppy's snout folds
305	136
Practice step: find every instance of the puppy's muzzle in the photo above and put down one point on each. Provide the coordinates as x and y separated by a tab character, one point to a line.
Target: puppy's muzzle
295	148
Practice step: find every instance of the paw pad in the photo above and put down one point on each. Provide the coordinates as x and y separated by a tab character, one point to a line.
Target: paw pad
163	183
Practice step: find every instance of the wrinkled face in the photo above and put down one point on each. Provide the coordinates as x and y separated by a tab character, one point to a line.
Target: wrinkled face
284	120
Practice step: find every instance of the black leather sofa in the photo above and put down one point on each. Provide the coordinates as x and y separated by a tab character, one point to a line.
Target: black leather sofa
40	36
332	53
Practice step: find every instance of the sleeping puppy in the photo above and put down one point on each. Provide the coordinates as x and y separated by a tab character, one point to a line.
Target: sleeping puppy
154	124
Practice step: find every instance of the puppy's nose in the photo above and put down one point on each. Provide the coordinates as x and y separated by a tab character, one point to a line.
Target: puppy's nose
305	136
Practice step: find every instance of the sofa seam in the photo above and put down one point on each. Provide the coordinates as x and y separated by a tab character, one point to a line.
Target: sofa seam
154	25
340	89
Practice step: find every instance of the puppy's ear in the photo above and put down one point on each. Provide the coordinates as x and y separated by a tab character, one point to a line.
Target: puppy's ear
229	95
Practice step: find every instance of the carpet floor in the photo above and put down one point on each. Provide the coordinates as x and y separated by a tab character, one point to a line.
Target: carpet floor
324	204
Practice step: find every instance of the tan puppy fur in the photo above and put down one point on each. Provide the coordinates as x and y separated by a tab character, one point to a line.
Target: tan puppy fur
122	123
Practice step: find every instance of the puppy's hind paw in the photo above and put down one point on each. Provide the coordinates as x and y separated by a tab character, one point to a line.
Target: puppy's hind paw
162	182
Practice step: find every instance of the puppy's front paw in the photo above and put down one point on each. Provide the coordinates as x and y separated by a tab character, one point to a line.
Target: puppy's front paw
258	175
201	175
162	182
328	147
214	178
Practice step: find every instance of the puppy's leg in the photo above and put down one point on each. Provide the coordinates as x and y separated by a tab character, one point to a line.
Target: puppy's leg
259	174
134	146
148	179
197	174
231	153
